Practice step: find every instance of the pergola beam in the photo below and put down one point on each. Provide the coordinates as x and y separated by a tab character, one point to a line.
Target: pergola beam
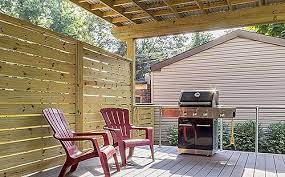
87	7
128	2
201	6
181	10
143	7
258	15
229	4
119	10
172	8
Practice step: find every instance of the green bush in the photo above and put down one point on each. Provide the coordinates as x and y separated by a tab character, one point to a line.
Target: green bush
244	133
271	138
226	135
275	139
172	135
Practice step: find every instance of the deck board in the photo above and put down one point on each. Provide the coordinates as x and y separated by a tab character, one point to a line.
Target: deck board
168	162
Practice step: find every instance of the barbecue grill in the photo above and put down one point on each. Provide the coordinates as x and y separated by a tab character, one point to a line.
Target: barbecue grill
198	121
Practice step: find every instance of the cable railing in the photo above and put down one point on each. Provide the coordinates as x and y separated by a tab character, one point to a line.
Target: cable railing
256	110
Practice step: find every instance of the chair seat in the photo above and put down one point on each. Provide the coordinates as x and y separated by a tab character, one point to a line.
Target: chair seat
136	142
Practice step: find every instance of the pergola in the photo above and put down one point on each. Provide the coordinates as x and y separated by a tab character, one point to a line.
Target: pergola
40	69
133	19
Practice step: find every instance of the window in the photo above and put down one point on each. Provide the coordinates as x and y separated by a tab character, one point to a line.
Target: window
138	99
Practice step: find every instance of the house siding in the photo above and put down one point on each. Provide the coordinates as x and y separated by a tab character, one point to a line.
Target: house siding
246	72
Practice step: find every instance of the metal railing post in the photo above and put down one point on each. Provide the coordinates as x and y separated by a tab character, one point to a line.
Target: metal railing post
256	128
159	118
221	134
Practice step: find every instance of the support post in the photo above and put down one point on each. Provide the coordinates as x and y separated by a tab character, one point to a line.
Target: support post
256	128
159	118
221	134
131	55
79	90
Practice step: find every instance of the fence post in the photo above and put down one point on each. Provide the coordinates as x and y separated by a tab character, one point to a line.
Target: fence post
159	118
256	128
79	90
221	133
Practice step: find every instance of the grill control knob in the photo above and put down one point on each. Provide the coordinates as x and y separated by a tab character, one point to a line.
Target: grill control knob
222	115
194	113
205	114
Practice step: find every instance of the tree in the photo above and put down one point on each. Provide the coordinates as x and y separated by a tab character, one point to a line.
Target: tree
64	17
201	38
152	50
275	30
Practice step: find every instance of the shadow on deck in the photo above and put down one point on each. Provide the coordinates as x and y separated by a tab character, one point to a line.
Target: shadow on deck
169	163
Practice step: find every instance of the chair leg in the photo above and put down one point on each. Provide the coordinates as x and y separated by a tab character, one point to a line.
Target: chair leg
73	167
131	152
123	155
116	162
63	170
104	164
152	151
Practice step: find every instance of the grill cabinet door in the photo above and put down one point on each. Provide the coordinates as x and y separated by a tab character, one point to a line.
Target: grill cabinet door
186	133
204	131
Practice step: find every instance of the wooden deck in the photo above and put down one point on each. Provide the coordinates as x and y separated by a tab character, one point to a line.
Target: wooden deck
169	163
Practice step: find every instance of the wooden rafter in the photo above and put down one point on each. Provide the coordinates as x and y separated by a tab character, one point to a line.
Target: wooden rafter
143	7
98	6
87	7
230	19
229	4
172	8
119	10
128	2
180	10
200	4
162	6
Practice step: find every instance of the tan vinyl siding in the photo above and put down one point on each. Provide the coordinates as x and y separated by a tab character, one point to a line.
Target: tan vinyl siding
246	72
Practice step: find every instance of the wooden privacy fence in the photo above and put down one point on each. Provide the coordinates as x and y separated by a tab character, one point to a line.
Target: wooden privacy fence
143	117
40	69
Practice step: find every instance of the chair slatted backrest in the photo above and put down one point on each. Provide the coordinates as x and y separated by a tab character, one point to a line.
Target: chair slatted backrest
117	118
60	127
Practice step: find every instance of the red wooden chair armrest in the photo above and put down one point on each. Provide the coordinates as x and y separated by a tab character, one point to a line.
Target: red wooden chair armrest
141	128
104	134
148	131
113	129
81	138
117	133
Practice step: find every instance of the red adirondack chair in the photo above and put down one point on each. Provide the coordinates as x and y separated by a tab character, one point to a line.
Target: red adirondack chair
68	138
117	122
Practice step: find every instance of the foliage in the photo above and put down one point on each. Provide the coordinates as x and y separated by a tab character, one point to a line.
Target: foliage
152	50
64	17
271	138
244	133
226	135
245	136
173	135
275	139
201	38
275	30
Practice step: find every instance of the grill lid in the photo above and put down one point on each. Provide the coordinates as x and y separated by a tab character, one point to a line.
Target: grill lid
208	98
